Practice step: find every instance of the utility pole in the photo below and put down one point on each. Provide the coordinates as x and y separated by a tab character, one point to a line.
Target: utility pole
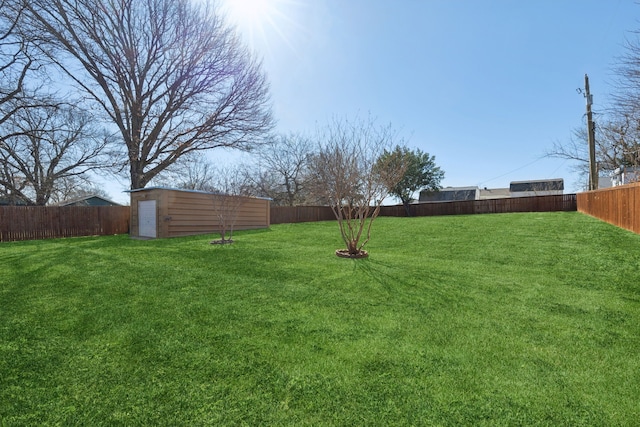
591	138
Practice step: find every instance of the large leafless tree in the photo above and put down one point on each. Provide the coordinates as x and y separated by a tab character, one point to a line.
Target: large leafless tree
617	132
617	141
43	147
349	176
15	62
627	78
282	170
169	74
191	172
622	131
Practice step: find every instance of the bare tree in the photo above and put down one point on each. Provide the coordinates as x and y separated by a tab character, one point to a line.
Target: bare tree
45	145
347	175
282	170
627	83
617	134
617	144
575	150
170	74
15	62
618	127
76	187
228	199
191	172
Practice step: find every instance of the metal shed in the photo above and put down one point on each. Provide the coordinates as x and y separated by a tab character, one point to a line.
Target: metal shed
158	212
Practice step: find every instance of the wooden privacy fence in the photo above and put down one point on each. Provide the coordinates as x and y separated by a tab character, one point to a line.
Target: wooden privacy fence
45	222
291	214
37	222
562	202
619	206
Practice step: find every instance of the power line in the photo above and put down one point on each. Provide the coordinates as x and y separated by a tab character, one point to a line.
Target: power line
512	171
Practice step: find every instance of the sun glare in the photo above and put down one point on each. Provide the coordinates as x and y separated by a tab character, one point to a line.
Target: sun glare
249	12
258	19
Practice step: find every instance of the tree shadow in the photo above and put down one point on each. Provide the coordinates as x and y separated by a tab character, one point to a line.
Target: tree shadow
385	274
393	278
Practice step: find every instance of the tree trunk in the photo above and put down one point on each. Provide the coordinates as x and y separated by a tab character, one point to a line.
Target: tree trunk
407	209
137	176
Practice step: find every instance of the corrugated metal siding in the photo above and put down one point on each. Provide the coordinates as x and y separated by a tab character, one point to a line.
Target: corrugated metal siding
183	213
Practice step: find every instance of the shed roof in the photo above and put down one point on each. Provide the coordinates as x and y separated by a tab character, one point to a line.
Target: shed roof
91	200
184	190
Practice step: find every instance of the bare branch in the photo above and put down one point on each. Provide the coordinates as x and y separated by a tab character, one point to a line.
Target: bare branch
15	62
170	74
228	199
345	175
43	146
282	170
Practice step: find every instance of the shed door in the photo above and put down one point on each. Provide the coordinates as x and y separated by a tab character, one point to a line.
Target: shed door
147	218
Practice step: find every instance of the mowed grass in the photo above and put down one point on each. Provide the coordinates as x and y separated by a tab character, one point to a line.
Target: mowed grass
514	319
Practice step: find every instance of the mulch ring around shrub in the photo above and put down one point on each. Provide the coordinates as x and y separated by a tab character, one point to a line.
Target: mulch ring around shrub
344	253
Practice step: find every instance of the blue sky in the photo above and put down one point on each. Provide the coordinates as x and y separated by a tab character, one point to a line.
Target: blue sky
486	86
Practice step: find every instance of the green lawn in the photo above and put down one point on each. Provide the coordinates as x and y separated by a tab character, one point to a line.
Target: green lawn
511	319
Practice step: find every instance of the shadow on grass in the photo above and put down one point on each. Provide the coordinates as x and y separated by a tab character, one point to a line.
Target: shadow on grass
385	274
434	287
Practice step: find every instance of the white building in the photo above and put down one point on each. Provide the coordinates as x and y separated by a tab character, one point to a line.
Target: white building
623	175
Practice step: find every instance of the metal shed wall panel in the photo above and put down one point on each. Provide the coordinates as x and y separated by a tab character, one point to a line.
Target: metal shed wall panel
182	213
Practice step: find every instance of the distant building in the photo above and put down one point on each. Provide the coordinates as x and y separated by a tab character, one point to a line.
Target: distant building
622	175
494	193
542	187
6	201
92	200
450	194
